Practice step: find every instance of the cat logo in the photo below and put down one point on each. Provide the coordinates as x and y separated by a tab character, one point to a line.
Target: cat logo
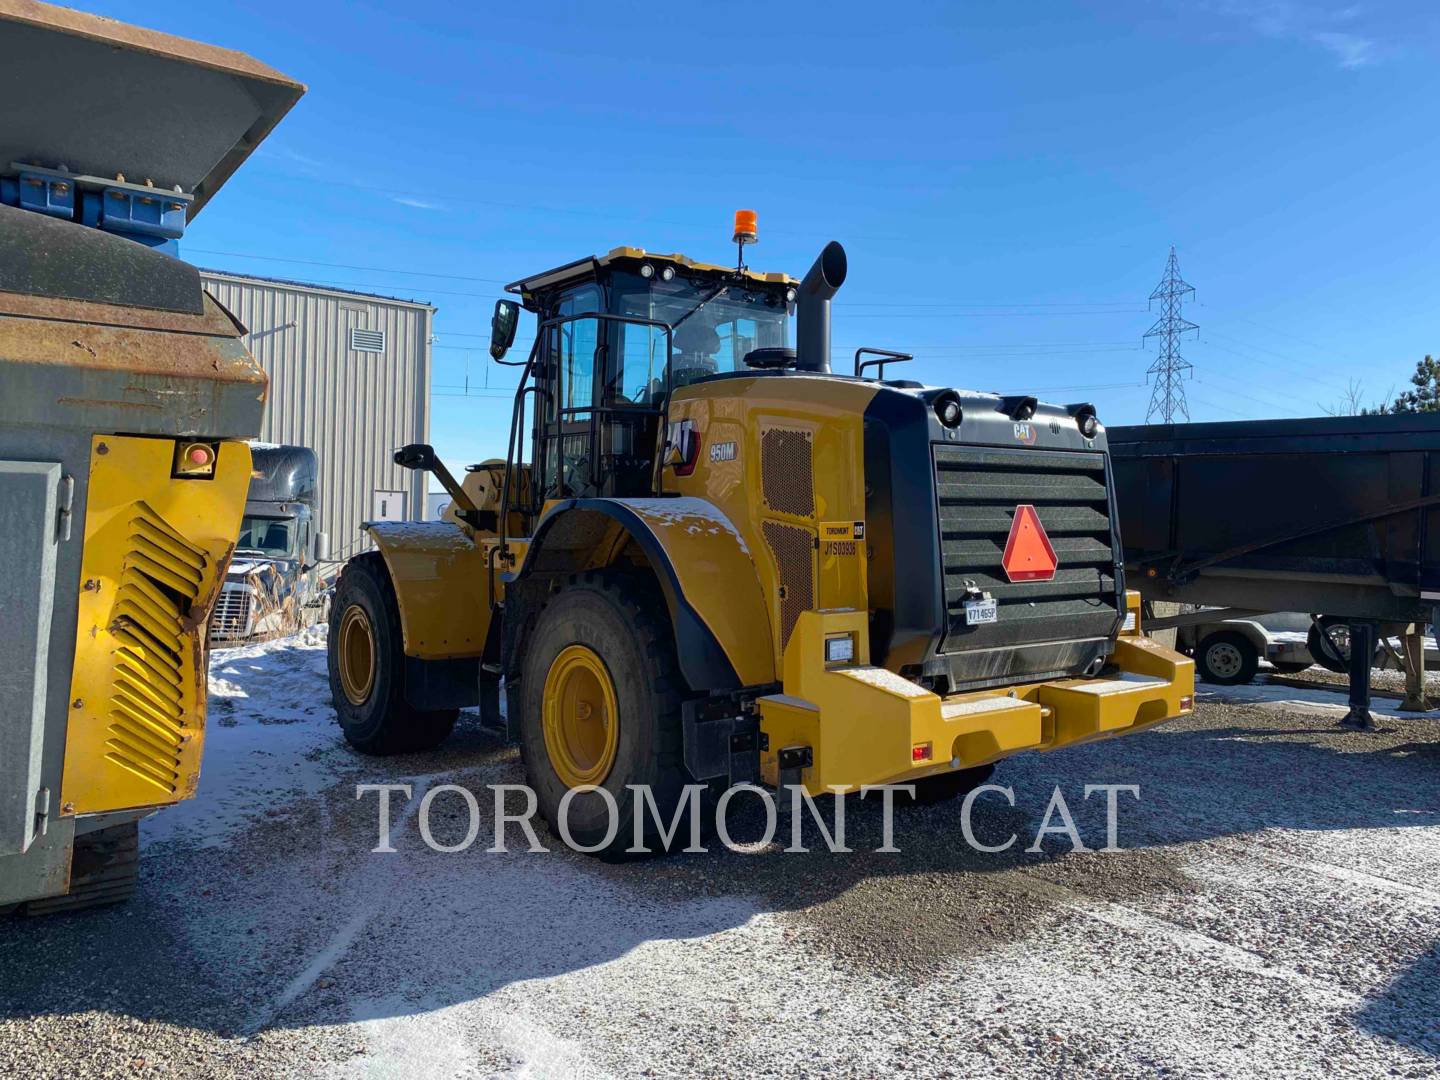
723	451
1025	433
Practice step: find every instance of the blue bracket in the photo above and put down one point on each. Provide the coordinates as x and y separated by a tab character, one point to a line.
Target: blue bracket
41	192
148	215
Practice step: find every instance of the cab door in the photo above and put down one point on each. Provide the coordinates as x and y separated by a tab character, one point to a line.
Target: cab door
571	356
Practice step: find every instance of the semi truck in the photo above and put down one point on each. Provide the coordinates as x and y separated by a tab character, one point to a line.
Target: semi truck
128	401
274	585
713	559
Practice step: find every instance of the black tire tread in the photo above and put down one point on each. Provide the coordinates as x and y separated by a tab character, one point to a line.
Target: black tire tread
404	728
642	609
105	870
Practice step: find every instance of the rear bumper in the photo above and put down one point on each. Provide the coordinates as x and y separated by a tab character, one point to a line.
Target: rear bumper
867	725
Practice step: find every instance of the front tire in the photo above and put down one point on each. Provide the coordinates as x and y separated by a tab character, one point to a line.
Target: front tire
367	666
602	697
1227	658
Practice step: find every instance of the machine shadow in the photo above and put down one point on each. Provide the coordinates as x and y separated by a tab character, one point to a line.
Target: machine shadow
299	923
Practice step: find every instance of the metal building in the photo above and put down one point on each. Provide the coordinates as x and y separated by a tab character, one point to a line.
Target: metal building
350	378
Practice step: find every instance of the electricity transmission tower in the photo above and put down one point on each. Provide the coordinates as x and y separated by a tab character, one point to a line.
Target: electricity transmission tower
1170	368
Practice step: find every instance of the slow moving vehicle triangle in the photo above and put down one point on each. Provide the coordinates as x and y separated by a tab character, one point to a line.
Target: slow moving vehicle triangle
1028	554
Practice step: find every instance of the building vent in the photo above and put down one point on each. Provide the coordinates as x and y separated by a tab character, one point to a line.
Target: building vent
793	550
362	340
787	471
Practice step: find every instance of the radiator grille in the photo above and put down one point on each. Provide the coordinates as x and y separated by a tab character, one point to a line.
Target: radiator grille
977	489
787	471
159	581
793	549
231	617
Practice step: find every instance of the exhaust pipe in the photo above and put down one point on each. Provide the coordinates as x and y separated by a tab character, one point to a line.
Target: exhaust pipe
812	312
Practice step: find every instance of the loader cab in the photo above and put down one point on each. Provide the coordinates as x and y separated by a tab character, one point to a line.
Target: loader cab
617	335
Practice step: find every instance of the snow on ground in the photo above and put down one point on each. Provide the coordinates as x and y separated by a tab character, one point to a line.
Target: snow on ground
1275	912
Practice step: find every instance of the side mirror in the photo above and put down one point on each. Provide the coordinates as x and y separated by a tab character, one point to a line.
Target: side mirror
319	547
503	325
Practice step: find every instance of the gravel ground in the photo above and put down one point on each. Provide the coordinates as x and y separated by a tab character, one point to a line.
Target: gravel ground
1275	912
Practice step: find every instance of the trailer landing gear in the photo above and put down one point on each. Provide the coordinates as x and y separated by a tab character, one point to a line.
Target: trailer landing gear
1362	656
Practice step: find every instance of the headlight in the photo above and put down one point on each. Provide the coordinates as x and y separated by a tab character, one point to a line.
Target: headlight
947	408
1087	421
647	271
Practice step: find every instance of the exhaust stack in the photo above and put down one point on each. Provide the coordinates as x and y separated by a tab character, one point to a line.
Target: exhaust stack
812	318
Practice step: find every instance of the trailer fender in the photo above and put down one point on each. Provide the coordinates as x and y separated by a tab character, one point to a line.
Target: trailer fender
442	586
705	569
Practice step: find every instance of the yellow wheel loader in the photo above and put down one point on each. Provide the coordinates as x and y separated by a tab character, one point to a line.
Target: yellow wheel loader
711	559
128	397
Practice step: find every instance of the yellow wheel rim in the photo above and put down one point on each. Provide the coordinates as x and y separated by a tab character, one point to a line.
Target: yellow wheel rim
581	722
356	653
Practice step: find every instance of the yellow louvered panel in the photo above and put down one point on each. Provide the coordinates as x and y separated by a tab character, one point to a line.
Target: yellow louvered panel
156	549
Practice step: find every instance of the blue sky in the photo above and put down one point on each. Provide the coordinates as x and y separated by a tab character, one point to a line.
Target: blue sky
1006	177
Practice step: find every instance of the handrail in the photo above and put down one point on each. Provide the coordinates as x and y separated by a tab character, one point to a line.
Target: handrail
887	357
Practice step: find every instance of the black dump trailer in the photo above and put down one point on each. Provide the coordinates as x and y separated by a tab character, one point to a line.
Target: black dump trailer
1336	515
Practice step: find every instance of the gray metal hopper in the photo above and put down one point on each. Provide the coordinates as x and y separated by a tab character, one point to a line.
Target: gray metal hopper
116	367
103	99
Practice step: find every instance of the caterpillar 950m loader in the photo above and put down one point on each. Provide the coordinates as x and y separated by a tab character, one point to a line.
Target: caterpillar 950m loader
721	561
128	395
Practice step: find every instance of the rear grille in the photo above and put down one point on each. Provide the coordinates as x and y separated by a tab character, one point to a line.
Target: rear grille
793	549
978	489
159	581
231	617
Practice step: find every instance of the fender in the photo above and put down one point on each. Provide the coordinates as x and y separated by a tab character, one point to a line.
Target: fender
705	569
441	584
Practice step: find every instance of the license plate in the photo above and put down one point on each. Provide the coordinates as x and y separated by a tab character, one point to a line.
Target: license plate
979	612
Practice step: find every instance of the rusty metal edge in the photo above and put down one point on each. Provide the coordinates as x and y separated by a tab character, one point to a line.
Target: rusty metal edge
215	322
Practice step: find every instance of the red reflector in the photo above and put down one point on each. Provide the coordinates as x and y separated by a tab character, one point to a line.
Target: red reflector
922	752
1187	703
1028	554
199	455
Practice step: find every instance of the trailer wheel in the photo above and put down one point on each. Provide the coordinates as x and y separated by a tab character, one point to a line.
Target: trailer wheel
1227	658
602	694
366	661
1329	643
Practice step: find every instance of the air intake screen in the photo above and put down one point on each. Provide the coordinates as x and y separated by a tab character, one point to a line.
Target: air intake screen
793	549
787	471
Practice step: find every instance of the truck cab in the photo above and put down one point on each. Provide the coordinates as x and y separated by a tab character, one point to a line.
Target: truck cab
274	583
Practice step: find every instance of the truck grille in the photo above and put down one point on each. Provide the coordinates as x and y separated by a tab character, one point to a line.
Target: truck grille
231	617
977	490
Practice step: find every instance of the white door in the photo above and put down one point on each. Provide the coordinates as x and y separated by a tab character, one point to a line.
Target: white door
387	506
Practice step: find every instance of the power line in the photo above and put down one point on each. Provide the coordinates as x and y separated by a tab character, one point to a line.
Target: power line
1169	367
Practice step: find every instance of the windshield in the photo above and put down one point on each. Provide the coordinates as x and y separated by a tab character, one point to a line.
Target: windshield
266	536
716	324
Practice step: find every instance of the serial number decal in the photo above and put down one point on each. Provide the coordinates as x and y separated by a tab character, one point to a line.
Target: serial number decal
723	451
841	547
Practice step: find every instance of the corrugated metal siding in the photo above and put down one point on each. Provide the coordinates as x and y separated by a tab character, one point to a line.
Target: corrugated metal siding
353	408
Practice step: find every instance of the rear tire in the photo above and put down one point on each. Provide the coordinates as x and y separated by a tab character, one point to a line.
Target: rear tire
367	666
104	869
1227	658
602	695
